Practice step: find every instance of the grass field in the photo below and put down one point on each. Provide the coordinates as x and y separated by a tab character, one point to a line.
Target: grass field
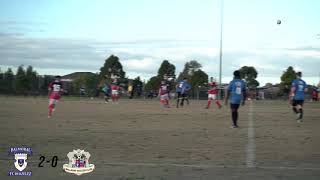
139	140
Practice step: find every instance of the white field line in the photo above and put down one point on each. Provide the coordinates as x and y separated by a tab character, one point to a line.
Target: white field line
251	146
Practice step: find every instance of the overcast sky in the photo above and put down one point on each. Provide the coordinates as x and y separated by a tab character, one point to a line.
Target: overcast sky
64	36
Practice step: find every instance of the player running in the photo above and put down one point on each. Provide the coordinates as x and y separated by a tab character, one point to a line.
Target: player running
106	91
298	89
164	94
212	94
182	88
115	92
237	93
55	90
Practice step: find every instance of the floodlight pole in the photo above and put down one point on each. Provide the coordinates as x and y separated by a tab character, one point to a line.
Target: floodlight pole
220	55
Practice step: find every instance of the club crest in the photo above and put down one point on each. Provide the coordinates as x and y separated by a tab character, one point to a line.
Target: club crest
20	161
78	162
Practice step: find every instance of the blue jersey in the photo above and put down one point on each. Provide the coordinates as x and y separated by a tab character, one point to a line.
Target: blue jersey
299	86
183	87
106	89
237	88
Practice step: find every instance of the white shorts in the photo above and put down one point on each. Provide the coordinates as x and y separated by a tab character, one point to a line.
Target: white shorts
164	97
115	92
53	101
212	96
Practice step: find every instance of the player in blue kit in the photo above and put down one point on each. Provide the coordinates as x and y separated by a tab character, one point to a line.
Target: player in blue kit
106	91
182	89
298	89
237	93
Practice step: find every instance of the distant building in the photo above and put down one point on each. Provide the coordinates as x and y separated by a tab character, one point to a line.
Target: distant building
69	79
269	91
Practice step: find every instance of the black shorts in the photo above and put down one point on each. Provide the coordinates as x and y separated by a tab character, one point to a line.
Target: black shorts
234	106
181	95
297	102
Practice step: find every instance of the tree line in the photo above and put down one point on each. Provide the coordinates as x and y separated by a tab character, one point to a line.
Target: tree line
167	71
27	81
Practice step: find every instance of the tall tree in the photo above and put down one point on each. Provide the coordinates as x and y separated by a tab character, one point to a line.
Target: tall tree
1	74
46	80
189	69
286	79
137	81
112	66
31	78
2	82
7	82
92	84
192	71
21	80
167	69
199	78
138	85
250	74
153	83
167	72
9	74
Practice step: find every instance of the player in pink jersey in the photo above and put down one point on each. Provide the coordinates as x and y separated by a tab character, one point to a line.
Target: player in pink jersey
164	94
55	90
212	94
115	91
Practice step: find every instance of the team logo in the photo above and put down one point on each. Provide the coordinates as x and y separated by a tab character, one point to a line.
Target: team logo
21	161
20	156
78	162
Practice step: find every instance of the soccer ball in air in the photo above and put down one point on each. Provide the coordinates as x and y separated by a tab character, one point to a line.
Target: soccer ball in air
279	22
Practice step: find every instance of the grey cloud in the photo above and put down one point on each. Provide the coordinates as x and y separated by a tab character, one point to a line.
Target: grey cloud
306	48
155	43
3	34
90	55
22	26
128	56
268	65
25	23
48	53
